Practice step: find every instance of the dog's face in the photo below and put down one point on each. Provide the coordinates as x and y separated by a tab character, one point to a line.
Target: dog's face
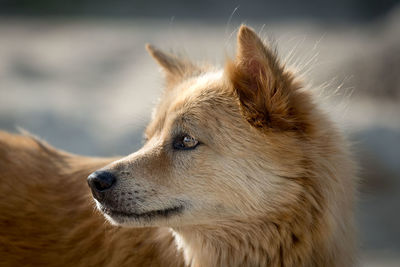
222	144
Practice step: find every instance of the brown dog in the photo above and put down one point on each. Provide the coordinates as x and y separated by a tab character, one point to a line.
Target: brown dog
240	168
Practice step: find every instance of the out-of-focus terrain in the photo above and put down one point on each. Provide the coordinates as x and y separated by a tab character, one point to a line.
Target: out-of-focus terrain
88	86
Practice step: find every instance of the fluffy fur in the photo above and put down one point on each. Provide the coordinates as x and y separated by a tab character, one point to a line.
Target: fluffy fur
47	216
270	183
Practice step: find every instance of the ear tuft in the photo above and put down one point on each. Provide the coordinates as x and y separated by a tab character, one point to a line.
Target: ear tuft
174	68
253	54
267	92
249	44
168	61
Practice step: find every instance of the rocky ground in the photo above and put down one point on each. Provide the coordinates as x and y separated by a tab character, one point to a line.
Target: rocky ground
88	86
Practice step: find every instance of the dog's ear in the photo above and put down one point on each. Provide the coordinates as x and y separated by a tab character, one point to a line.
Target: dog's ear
266	90
175	68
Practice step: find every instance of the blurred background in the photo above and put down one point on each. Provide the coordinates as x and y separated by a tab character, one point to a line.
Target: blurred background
76	74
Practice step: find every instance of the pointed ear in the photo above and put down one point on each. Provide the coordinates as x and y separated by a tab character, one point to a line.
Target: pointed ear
174	68
267	91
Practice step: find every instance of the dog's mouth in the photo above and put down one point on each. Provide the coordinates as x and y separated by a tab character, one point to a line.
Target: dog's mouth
168	212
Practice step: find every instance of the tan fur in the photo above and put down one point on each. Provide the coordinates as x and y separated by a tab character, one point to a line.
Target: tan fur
271	182
47	216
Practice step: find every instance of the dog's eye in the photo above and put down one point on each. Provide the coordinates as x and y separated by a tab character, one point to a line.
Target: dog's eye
184	142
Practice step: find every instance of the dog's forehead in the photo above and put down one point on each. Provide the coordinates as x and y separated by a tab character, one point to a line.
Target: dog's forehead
195	94
197	90
192	91
205	80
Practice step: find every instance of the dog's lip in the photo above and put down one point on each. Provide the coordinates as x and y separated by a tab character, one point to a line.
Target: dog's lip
148	214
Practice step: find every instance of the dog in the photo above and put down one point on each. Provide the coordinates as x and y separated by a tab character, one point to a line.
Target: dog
240	167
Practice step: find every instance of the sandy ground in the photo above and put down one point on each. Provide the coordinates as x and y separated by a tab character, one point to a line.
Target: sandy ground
88	87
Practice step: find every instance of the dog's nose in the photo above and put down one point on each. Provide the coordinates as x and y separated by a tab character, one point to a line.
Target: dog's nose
101	181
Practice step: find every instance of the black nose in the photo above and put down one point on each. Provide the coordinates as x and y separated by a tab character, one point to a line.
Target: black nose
101	180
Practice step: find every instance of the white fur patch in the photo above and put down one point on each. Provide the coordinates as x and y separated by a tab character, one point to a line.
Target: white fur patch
181	245
209	77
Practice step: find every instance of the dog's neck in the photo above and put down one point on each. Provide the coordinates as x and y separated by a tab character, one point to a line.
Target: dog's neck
251	244
258	243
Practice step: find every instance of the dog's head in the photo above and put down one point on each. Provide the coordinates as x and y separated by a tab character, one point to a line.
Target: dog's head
222	144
